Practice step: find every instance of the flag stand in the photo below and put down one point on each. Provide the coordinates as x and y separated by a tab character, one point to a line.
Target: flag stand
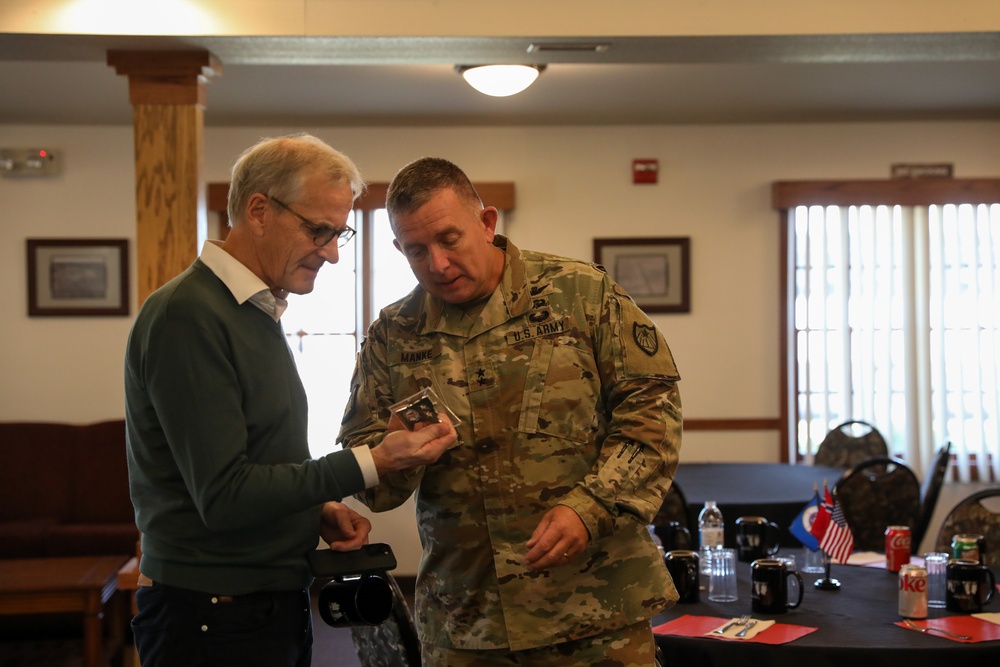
827	583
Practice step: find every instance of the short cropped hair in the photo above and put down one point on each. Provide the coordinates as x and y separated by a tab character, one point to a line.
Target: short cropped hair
414	184
278	166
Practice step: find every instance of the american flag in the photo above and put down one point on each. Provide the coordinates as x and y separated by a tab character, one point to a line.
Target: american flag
836	540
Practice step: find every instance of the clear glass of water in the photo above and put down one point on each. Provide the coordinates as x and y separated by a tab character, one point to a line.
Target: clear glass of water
722	582
937	566
793	582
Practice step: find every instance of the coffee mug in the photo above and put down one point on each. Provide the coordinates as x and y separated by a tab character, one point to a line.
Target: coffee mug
969	586
769	586
673	536
756	537
683	567
364	600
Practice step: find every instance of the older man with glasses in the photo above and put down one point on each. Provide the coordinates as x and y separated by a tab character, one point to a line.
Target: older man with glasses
225	494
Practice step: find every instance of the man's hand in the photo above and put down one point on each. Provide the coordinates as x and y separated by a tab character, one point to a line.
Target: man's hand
560	536
402	449
343	528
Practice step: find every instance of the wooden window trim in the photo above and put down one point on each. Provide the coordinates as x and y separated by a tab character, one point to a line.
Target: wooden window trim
903	191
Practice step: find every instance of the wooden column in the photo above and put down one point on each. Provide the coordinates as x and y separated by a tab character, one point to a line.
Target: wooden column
167	93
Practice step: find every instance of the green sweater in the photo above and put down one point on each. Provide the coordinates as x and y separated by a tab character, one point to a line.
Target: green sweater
225	493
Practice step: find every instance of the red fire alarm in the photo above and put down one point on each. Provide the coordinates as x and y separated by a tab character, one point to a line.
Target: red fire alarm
645	171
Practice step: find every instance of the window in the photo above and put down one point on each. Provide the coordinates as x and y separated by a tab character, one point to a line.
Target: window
892	306
325	328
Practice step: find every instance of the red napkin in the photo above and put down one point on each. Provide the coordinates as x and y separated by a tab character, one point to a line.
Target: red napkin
697	626
979	630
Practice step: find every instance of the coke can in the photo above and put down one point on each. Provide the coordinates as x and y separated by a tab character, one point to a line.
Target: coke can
968	546
897	547
912	591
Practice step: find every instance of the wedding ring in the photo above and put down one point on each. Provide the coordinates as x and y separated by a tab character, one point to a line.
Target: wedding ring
565	554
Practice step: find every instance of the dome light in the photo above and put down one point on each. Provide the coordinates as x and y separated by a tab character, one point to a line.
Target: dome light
500	80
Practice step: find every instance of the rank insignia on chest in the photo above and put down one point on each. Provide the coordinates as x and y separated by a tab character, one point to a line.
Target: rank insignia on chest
645	338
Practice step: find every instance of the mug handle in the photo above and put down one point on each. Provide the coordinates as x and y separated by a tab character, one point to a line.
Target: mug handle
773	537
991	591
801	589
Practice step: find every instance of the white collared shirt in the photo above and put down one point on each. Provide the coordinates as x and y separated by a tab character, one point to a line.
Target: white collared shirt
246	286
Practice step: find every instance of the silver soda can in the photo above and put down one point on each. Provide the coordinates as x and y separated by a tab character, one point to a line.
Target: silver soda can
912	591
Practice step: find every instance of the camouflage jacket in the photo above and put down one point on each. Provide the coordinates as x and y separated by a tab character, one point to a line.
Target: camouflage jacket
567	395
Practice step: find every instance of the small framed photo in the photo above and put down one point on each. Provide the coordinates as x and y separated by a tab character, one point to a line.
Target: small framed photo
422	407
656	272
84	277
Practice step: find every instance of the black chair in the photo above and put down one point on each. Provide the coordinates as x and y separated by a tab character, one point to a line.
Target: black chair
392	643
971	515
930	489
878	492
673	510
849	444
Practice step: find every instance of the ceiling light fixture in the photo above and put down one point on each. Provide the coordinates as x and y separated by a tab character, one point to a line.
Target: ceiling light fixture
500	80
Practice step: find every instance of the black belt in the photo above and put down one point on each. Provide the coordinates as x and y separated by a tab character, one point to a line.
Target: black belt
215	598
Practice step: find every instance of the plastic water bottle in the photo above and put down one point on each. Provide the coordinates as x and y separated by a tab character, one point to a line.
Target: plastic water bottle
710	526
710	535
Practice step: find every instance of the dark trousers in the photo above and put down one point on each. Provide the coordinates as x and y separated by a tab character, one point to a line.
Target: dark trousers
176	627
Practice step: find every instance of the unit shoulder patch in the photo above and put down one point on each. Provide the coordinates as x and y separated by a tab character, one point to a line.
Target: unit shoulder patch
645	338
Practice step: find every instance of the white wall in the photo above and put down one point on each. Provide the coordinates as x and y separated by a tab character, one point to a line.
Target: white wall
573	184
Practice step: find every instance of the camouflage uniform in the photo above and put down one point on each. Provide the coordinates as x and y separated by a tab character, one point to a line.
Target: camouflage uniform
567	395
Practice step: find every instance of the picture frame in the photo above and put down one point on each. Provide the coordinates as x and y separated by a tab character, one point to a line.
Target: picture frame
78	277
655	271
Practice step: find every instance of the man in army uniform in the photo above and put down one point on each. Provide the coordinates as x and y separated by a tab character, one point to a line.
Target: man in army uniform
533	526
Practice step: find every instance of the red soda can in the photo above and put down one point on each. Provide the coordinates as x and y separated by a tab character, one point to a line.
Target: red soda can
912	591
897	547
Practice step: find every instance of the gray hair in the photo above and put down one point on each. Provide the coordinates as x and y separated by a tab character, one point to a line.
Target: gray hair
277	166
414	184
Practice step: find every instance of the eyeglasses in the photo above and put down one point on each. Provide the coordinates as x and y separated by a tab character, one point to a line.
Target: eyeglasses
321	234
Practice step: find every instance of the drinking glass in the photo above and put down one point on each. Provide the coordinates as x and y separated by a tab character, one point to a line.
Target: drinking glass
722	580
704	568
814	562
793	582
937	567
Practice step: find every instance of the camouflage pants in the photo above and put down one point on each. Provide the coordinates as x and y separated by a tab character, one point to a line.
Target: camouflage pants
631	646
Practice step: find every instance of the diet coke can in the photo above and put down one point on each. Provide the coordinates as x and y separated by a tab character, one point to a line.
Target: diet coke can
897	547
912	591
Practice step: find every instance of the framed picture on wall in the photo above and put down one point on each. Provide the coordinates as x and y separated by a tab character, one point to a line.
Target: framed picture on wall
655	271
83	277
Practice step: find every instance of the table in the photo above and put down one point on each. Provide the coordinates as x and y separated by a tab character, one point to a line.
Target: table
855	628
85	584
776	491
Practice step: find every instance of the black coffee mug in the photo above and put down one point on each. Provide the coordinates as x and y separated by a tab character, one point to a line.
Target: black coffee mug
673	536
756	537
769	586
364	600
969	586
683	567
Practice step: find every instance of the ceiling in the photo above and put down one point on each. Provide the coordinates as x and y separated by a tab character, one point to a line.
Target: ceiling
329	81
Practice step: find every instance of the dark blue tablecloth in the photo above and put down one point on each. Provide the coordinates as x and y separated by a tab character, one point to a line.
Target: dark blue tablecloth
855	629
